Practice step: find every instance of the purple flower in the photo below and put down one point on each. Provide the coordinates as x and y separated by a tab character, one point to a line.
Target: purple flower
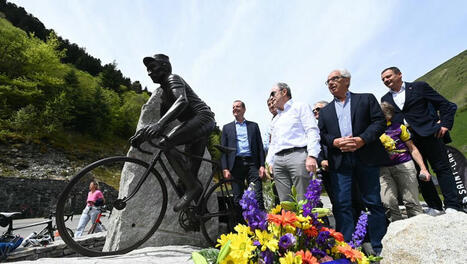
255	217
322	238
286	241
267	256
312	195
318	252
360	231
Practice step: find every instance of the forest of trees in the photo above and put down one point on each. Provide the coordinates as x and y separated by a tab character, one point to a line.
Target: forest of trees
50	86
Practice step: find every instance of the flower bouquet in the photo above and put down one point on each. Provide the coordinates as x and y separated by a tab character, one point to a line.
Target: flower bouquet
290	233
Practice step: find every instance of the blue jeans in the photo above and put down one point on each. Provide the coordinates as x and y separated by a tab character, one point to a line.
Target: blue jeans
89	213
367	178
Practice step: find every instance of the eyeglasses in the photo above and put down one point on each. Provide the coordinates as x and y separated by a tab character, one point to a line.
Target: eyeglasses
334	79
316	110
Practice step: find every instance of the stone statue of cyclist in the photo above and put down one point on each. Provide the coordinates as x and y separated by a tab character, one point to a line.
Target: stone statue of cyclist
179	102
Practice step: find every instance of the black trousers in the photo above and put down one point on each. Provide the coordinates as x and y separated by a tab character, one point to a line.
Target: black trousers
245	169
434	150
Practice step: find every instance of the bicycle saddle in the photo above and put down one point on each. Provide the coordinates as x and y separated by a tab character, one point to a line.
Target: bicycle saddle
9	214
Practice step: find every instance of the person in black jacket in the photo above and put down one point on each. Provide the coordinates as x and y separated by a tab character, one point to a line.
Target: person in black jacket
416	105
247	162
350	127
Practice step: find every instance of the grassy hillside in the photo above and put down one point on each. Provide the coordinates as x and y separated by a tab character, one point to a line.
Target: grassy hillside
450	80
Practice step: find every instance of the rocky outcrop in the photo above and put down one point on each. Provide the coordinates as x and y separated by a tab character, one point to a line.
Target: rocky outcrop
35	161
426	239
146	205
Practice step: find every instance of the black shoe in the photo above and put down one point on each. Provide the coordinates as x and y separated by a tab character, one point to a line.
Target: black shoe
187	198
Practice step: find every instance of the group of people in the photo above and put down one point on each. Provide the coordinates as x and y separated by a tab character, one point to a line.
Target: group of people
365	148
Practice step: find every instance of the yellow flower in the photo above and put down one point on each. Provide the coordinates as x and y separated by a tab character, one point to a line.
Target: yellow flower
303	222
241	248
290	258
388	142
224	239
267	240
243	229
364	260
276	209
230	260
274	229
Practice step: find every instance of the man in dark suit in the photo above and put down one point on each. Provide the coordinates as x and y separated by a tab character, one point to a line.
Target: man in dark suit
416	105
350	127
247	162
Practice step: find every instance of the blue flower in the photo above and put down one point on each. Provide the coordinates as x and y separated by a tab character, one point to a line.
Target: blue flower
255	217
360	231
286	241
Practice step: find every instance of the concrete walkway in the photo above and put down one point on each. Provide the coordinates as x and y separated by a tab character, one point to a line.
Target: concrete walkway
165	255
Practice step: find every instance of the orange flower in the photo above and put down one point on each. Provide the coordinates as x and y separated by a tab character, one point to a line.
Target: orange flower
337	235
307	258
284	219
311	232
349	252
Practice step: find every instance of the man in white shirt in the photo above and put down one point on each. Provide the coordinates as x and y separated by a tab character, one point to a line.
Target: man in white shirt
294	143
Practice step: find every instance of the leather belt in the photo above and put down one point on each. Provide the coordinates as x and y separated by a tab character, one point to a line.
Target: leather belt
290	150
243	158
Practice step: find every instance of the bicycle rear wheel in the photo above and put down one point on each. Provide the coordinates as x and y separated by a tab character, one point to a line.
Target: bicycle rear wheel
127	228
219	212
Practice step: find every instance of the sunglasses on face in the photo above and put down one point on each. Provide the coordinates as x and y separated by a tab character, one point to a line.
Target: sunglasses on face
316	110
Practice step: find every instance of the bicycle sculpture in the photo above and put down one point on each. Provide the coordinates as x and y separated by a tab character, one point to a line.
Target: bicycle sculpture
179	102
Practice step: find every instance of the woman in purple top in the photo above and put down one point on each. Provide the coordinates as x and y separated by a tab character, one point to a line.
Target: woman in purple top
93	202
400	178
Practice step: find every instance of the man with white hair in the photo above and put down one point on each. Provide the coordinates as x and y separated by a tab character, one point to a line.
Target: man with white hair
350	127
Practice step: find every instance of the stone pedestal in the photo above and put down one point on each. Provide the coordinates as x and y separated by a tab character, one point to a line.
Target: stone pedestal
149	199
427	239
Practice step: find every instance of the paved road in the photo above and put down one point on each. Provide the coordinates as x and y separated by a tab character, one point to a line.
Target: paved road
24	232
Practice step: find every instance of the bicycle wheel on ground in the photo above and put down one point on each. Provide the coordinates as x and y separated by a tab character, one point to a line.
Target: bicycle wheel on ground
219	212
128	227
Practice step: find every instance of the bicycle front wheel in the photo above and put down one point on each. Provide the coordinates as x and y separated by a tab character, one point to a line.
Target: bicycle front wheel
220	214
128	227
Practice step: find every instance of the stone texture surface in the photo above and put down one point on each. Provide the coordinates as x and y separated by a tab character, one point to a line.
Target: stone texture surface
147	204
426	239
166	255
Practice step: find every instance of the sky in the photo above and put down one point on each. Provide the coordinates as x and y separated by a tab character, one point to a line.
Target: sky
228	50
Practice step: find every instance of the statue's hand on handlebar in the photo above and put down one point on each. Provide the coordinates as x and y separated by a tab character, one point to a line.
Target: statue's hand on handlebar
146	133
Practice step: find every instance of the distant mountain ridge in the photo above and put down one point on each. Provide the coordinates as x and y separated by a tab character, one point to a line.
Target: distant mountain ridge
450	80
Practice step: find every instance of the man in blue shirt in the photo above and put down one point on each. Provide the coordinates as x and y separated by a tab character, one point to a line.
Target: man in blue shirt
247	162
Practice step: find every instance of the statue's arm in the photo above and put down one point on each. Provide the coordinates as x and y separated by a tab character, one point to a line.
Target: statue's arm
177	87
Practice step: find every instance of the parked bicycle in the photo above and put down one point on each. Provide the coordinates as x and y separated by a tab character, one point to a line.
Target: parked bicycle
200	215
98	226
43	237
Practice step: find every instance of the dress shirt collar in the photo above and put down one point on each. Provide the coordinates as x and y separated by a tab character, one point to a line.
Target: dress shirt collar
240	123
287	105
347	97
400	91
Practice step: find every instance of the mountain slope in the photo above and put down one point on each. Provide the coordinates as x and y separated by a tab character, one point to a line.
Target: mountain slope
450	80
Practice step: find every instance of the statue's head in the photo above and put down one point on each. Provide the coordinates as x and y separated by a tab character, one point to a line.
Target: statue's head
158	67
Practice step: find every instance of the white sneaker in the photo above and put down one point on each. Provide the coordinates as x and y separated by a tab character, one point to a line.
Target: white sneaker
450	211
434	212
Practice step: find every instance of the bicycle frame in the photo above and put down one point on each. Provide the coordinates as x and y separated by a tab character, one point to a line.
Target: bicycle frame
157	159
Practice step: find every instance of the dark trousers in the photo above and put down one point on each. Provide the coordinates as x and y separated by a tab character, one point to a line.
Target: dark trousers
434	150
367	179
357	203
245	169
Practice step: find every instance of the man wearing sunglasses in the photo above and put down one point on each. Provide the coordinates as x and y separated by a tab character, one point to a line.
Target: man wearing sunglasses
350	127
294	143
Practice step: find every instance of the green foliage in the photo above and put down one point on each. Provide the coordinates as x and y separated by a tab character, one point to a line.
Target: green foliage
450	80
40	97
